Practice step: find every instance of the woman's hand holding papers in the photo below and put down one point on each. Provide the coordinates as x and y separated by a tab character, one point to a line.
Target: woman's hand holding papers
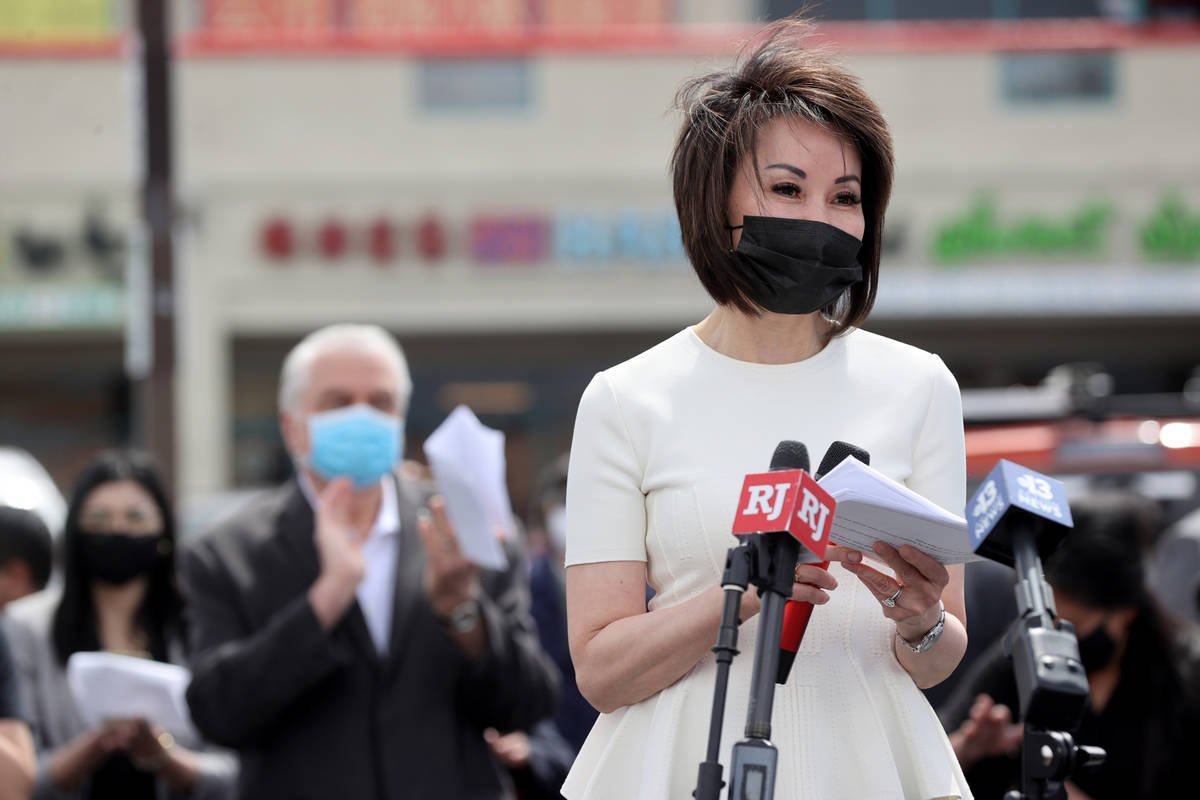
72	763
154	750
930	617
920	581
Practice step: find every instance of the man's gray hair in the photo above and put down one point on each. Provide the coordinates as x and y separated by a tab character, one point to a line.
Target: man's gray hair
297	367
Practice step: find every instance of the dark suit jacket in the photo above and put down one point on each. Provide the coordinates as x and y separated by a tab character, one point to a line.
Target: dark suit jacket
317	714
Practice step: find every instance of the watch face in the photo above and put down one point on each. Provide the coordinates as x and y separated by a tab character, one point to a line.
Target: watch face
929	639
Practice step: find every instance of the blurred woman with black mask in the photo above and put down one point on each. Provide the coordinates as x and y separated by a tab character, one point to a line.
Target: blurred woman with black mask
119	595
1141	667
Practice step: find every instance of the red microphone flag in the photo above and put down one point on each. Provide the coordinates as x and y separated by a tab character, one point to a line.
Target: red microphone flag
788	501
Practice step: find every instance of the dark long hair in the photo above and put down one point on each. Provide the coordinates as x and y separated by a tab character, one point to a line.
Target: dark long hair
1101	564
160	615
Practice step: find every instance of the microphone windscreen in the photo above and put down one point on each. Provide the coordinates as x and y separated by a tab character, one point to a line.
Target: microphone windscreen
839	452
790	454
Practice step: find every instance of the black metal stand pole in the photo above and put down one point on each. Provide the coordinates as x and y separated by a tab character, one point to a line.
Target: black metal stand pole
1051	683
709	782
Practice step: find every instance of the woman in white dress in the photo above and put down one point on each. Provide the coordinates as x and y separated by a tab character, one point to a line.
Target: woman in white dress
782	171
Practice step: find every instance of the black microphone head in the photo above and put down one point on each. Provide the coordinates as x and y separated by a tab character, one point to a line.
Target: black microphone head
789	454
837	453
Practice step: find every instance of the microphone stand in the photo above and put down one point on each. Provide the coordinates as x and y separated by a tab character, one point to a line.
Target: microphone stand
1051	682
766	560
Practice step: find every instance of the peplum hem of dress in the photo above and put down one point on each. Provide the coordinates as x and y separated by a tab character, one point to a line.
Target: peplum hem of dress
651	750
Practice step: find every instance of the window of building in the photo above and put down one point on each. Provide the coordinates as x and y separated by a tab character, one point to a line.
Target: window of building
943	9
477	84
1058	77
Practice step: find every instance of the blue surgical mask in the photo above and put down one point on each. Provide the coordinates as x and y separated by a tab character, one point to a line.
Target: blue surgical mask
358	442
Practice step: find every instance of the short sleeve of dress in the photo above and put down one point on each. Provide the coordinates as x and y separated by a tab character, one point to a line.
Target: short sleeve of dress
939	458
606	508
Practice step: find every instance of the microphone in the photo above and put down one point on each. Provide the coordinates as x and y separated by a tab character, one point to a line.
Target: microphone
1018	517
782	517
780	514
796	614
789	454
786	500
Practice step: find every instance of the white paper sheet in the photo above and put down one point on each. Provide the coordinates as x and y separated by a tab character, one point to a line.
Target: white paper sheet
873	507
467	460
108	686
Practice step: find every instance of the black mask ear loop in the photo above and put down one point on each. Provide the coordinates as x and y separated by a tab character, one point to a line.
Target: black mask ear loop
732	228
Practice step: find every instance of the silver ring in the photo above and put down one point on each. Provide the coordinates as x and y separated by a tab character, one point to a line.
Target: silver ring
890	602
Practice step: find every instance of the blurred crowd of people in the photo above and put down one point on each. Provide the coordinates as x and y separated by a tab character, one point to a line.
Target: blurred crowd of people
340	644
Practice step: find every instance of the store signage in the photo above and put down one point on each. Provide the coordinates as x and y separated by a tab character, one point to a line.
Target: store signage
58	306
570	239
980	235
1172	233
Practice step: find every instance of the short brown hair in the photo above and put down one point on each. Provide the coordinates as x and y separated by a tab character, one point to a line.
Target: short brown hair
774	76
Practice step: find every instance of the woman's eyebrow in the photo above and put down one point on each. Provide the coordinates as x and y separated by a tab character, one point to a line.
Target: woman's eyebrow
804	175
794	170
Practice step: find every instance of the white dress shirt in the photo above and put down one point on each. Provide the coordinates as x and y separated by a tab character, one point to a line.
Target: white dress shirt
378	587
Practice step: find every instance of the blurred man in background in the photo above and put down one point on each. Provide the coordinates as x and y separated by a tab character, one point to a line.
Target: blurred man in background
343	643
26	554
25	559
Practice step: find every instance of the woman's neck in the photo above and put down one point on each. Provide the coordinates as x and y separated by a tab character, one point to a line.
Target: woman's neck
116	614
766	339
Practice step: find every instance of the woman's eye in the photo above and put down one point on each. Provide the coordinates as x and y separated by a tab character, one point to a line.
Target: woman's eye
848	199
786	189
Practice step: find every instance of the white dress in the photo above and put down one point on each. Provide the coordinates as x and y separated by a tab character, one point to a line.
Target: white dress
660	448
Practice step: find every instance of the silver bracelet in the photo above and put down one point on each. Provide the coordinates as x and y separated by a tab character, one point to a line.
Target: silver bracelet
931	636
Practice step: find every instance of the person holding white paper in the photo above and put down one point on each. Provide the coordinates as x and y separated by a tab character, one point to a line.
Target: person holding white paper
344	644
118	595
782	171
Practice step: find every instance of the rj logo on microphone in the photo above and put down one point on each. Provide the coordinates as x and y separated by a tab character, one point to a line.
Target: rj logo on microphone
767	499
786	501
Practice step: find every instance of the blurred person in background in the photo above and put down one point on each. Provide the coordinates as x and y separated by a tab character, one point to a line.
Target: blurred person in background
540	759
1143	670
26	555
548	532
119	595
1175	568
345	646
782	173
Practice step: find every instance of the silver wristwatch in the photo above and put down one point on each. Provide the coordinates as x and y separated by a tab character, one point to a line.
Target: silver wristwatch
463	618
931	636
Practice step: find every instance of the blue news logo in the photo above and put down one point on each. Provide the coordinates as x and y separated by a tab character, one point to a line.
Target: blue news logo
1010	485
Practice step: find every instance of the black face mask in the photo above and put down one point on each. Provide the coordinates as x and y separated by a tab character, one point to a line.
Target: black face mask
1096	650
797	266
118	558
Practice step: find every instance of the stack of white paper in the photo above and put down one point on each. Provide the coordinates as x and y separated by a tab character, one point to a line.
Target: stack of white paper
467	460
108	686
872	507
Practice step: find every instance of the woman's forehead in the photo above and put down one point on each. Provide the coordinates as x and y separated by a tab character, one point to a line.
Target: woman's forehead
119	494
799	140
